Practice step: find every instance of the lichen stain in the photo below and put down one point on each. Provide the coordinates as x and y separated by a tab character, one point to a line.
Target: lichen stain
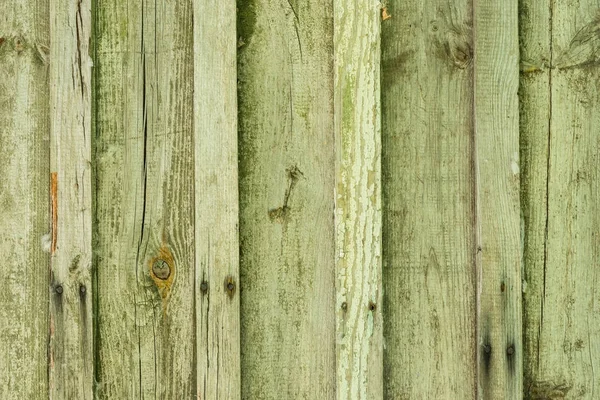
163	285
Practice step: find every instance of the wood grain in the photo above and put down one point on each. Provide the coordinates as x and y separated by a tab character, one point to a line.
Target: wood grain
24	199
71	336
144	152
286	199
428	232
216	200
497	205
359	325
563	327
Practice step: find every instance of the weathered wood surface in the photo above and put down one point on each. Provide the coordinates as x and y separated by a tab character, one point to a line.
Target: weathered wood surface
216	200
71	335
359	336
428	235
146	272
24	194
497	205
561	142
286	199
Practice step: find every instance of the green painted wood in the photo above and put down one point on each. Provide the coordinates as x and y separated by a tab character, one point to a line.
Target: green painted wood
71	335
428	180
562	246
216	200
144	236
359	322
24	199
497	204
287	178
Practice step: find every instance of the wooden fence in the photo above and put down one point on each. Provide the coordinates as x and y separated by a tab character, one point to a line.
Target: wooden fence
300	199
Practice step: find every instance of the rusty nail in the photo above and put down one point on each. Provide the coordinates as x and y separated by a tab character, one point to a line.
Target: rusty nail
487	348
82	289
344	306
161	269
502	287
372	306
510	351
59	289
204	286
230	286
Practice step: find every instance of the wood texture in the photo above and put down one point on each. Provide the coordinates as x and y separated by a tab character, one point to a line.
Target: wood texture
428	232
497	205
561	199
286	199
359	325
24	199
146	275
216	200
71	336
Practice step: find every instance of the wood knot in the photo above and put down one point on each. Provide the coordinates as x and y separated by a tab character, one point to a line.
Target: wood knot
161	269
454	43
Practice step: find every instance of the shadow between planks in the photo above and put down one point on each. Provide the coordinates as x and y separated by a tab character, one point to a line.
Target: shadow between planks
299	199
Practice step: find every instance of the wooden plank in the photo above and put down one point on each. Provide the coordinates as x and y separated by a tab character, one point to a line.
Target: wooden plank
534	96
428	235
145	200
71	336
359	325
24	194
216	200
565	328
287	265
497	205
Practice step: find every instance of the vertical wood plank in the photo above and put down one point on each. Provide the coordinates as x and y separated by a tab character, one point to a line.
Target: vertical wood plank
428	233
145	200
534	96
562	358
71	336
24	199
498	256
287	182
216	200
359	326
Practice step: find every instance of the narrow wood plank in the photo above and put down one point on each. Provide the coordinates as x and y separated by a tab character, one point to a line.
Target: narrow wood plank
71	336
498	233
216	200
534	96
145	200
567	346
286	199
428	233
24	197
359	329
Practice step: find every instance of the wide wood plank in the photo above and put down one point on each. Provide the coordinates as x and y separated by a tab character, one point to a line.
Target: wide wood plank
359	325
24	199
497	205
428	180
145	200
286	199
565	326
216	200
71	336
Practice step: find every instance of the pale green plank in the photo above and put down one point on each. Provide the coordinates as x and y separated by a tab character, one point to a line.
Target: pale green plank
428	236
71	335
286	199
497	205
564	356
24	196
216	200
358	200
145	200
